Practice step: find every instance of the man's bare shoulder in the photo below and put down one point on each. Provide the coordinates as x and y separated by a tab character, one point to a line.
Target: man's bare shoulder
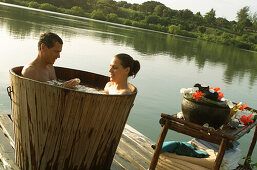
30	71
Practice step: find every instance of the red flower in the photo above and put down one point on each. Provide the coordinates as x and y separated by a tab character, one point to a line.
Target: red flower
246	120
243	107
221	95
197	95
216	89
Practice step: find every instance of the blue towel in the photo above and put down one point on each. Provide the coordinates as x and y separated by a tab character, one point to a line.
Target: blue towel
183	148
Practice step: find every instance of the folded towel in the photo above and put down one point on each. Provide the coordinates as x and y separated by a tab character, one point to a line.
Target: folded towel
182	148
171	160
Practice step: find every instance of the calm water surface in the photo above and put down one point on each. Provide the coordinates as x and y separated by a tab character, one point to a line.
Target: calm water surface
168	63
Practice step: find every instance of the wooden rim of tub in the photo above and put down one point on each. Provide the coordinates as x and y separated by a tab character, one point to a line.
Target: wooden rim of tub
87	78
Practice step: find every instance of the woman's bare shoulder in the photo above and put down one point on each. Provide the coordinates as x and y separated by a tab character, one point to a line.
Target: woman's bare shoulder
107	87
108	84
131	87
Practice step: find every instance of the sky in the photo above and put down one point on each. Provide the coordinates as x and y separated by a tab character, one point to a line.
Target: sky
223	8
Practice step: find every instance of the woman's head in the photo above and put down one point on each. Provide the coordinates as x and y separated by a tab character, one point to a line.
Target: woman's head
128	62
123	66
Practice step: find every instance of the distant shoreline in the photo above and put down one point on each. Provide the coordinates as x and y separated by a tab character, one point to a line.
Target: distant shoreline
247	41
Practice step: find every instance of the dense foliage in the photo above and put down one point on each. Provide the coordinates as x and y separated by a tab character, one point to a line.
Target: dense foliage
156	16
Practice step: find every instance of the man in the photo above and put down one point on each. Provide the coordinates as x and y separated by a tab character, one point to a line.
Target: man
42	69
49	49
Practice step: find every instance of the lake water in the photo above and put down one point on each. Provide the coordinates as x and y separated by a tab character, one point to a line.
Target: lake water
168	63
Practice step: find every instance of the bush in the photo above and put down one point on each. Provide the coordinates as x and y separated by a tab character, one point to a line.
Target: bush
47	6
139	24
152	19
186	33
76	10
255	47
8	1
253	39
112	17
202	29
173	29
33	4
63	10
98	14
245	37
127	22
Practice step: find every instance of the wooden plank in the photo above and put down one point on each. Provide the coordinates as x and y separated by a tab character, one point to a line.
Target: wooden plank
181	128
7	153
140	140
196	126
7	127
116	166
134	150
240	131
130	153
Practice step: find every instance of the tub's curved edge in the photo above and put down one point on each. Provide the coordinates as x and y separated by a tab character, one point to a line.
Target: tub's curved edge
11	71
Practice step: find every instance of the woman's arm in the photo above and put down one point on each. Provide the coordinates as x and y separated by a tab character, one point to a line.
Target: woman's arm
71	83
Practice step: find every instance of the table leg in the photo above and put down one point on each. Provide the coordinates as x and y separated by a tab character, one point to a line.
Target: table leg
251	148
220	155
159	144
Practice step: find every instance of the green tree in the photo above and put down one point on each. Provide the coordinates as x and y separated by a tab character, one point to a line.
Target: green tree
123	4
149	6
137	16
254	21
243	14
112	17
47	6
223	22
185	14
169	13
243	18
152	19
198	18
98	14
135	7
210	17
174	29
165	21
107	6
76	10
202	29
158	10
237	28
33	4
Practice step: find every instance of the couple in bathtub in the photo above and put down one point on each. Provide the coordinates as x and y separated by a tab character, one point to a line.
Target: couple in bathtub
49	48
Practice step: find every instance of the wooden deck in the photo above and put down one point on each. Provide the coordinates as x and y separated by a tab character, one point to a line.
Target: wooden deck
134	149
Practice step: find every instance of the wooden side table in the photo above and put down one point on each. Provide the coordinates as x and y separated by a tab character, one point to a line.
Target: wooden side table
223	137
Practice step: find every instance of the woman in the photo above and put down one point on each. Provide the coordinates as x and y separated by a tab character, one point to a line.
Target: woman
122	66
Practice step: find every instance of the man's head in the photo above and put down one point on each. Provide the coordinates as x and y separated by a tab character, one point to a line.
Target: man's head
49	39
50	47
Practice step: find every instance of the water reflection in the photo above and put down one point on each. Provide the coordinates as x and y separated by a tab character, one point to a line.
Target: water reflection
22	23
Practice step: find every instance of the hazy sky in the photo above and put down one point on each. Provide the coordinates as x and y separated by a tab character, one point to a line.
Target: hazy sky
223	8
